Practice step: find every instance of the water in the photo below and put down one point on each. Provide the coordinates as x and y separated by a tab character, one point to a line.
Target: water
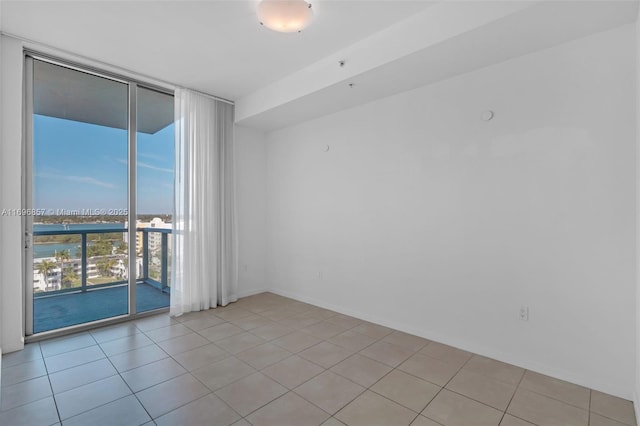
50	250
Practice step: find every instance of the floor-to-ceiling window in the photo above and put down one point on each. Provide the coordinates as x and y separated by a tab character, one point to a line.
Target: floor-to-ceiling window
98	195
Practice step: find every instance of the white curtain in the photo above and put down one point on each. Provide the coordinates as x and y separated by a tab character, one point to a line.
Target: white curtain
204	259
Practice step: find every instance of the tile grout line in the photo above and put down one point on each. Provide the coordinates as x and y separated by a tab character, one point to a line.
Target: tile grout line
512	396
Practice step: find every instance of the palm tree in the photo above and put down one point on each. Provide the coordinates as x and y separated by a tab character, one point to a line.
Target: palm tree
45	267
62	256
69	276
104	266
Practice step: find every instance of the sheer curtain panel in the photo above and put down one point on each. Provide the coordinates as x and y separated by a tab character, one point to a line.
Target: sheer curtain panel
204	261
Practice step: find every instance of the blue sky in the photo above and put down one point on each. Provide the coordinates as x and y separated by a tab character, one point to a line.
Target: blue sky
84	166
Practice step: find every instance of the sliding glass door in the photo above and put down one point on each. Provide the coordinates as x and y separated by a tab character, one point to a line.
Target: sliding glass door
88	258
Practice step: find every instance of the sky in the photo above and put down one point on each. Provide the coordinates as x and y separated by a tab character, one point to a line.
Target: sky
84	166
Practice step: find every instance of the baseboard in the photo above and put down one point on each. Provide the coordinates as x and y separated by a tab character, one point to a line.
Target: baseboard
636	405
247	293
433	335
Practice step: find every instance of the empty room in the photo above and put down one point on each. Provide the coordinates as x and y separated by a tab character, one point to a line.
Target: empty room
319	212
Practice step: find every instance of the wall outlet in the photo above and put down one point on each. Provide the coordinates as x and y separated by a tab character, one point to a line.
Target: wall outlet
524	313
319	275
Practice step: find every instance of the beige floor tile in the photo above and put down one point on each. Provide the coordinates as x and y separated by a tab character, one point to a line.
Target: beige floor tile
232	314
167	396
598	420
263	355
239	342
201	356
292	371
316	311
372	330
220	331
66	344
198	324
297	341
352	340
250	393
151	374
208	410
271	331
557	389
73	358
614	408
88	397
483	389
154	322
323	330
451	409
332	421
325	354
137	358
253	321
423	421
446	353
183	343
42	412
495	369
405	340
371	409
345	321
196	315
288	410
127	410
430	369
124	344
221	373
24	393
31	352
113	332
299	321
362	370
169	332
329	391
406	390
241	422
22	372
544	411
278	314
509	420
387	353
81	375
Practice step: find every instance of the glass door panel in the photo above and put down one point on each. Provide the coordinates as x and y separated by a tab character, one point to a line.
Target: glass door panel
79	187
154	192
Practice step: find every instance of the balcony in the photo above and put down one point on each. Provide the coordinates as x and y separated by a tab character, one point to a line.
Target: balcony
93	285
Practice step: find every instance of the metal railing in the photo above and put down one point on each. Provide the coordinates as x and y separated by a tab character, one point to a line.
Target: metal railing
162	284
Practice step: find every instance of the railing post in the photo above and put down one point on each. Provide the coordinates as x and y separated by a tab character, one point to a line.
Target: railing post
145	255
164	263
84	261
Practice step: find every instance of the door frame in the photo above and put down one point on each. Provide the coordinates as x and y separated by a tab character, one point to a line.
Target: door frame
27	192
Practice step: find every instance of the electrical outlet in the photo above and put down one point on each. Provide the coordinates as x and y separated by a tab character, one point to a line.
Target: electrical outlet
524	313
320	275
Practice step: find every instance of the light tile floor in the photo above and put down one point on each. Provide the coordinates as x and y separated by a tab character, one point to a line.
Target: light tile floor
269	360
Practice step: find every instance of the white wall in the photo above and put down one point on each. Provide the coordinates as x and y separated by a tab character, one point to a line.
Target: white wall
424	217
11	311
251	204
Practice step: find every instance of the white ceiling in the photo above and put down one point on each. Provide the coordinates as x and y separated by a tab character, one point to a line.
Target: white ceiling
214	46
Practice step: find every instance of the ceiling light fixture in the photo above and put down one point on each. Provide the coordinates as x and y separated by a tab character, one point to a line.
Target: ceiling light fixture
285	16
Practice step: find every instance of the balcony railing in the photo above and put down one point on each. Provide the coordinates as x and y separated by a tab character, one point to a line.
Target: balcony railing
160	281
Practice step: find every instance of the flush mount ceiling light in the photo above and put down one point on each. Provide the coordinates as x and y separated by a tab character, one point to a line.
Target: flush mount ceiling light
285	16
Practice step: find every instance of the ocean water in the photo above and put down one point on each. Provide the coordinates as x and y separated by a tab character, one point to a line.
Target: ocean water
50	249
